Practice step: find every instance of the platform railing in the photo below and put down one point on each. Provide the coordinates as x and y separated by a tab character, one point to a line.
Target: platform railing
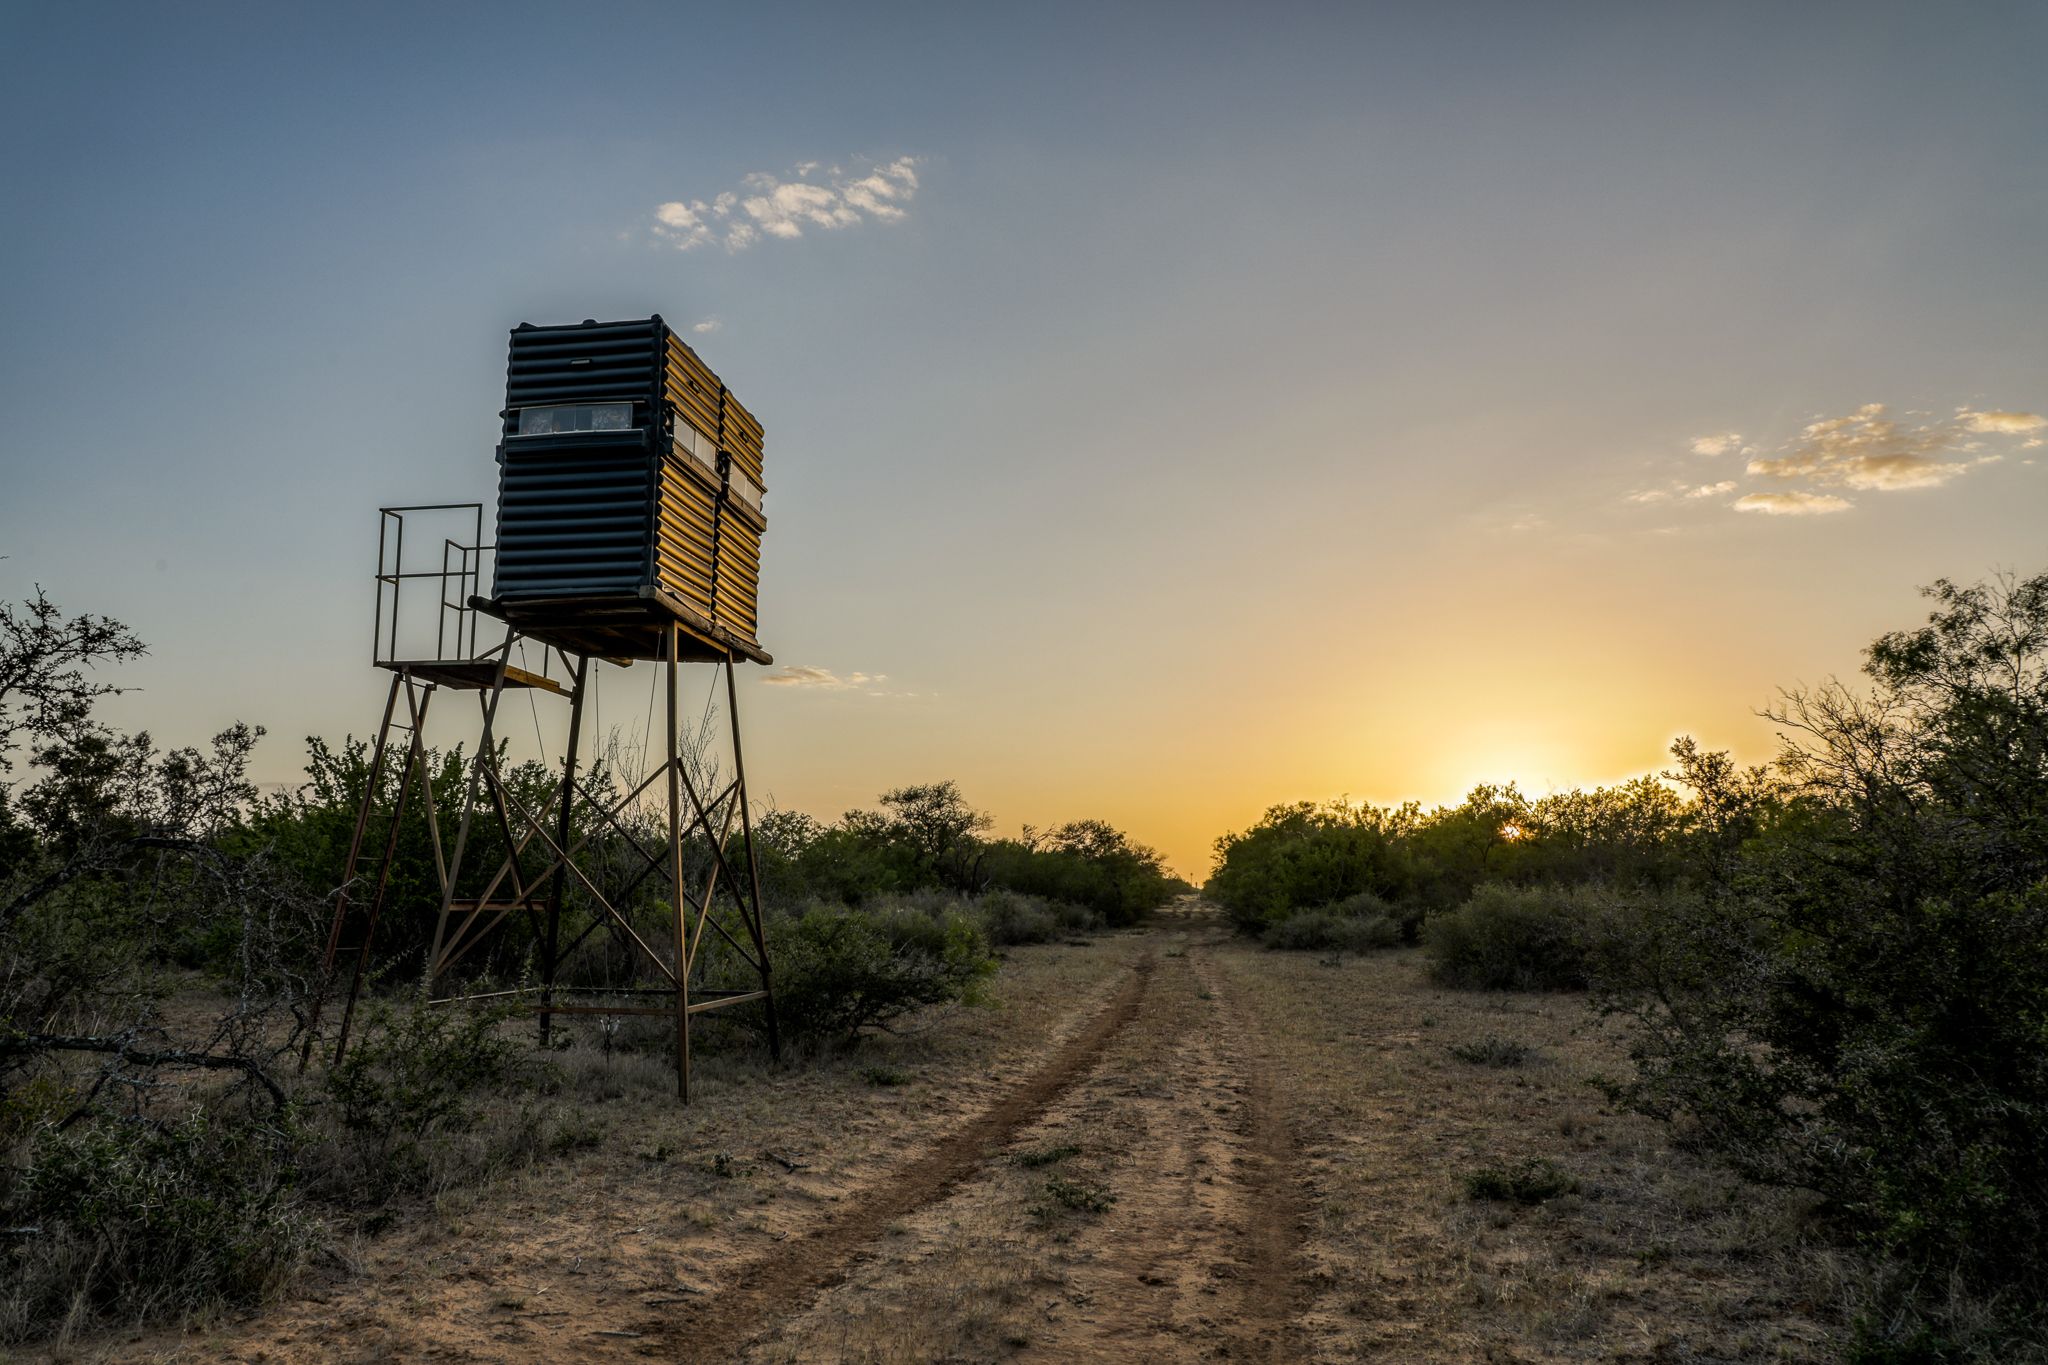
459	578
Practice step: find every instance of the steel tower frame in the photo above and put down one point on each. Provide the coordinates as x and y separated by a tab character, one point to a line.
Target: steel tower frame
544	854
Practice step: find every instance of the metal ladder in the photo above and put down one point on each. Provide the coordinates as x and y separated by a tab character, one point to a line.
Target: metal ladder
360	901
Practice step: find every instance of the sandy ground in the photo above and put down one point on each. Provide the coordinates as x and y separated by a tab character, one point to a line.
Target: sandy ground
1165	1145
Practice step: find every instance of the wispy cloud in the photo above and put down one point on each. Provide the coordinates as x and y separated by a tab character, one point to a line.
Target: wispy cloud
1868	449
2003	423
1793	504
1687	492
767	205
706	327
809	675
825	680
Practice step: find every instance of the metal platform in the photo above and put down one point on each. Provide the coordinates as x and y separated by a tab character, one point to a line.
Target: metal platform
471	675
623	627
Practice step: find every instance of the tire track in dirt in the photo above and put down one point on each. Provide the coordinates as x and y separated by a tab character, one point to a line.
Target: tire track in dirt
1275	1294
1198	1259
1181	1127
818	1260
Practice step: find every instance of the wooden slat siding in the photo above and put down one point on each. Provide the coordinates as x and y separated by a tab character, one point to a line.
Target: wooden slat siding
684	566
694	409
747	545
735	591
688	550
696	390
691	386
684	560
738	583
694	395
686	508
687	545
678	577
719	589
739	435
736	610
686	360
747	421
699	411
740	537
739	619
691	597
750	525
710	542
736	614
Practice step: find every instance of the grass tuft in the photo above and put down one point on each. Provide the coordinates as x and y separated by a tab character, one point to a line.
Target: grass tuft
1046	1156
1077	1196
1494	1051
1532	1180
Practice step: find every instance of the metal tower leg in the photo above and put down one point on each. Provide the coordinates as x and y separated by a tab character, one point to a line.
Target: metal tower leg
564	828
417	699
751	903
484	751
675	862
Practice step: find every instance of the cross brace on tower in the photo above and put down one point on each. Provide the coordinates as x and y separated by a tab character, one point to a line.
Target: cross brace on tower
548	848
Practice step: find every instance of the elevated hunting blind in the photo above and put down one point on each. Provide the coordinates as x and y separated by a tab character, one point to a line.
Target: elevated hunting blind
629	528
629	493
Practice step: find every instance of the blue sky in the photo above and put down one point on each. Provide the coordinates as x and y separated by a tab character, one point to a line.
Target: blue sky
1245	404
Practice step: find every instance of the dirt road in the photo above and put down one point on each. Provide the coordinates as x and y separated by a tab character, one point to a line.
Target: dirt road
1162	1145
1191	1254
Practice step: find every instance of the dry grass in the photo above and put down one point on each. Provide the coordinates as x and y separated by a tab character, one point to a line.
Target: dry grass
1654	1257
596	1239
1268	1161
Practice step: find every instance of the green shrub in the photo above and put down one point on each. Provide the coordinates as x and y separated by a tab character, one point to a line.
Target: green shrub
1046	1156
1364	905
1501	1052
840	970
1010	917
1511	939
1073	918
416	1106
1889	1057
1327	929
134	1221
1301	856
1076	1196
1087	863
1532	1180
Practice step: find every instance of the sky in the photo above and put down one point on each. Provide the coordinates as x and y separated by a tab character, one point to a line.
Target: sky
1171	410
